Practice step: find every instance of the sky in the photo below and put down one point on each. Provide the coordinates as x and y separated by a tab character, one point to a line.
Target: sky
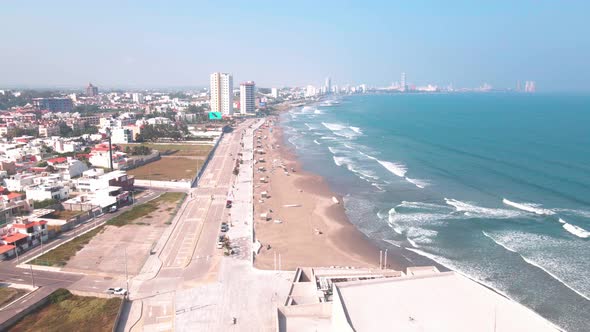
157	44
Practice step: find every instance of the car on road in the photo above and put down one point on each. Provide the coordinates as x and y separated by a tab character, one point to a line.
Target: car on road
117	291
220	241
224	227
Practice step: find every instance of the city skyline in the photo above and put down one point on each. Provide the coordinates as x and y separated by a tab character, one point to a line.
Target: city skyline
157	46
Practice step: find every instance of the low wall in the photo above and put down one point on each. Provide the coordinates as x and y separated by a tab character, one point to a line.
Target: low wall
163	184
195	181
34	306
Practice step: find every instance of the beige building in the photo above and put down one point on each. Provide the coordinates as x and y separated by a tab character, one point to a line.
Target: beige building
221	90
48	130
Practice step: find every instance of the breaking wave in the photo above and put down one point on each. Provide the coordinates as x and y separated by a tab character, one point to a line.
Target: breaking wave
529	207
418	183
356	129
575	230
316	142
471	210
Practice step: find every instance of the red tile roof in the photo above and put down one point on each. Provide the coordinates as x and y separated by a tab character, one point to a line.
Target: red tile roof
57	160
5	248
14	195
23	226
14	237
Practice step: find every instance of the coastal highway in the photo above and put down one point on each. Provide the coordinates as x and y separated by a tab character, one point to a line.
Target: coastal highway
189	256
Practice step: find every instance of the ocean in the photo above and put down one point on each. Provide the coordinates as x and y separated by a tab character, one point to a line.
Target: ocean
495	186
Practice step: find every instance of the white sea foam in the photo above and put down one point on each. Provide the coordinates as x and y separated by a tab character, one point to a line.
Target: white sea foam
318	112
316	142
333	126
421	205
397	169
413	243
532	262
307	109
418	183
339	161
575	230
529	207
356	129
481	212
310	127
329	138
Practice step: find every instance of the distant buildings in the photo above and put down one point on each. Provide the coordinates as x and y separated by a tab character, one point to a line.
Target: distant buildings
328	86
530	86
247	97
53	104
403	85
91	90
221	90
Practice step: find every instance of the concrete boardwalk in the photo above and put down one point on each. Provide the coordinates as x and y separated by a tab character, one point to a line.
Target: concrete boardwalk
189	285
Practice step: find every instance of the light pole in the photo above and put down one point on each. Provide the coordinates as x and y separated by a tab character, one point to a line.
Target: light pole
126	275
32	276
109	134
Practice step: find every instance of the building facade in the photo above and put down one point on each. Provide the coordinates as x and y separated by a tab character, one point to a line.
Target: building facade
54	104
91	90
247	97
221	90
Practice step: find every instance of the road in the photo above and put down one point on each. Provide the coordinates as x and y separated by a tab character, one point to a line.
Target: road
48	281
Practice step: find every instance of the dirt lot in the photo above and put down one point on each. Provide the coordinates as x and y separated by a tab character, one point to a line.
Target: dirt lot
106	251
181	162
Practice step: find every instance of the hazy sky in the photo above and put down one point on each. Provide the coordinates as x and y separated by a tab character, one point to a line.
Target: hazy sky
277	43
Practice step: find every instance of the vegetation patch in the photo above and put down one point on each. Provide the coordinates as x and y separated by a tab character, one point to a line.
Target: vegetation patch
67	312
60	255
8	295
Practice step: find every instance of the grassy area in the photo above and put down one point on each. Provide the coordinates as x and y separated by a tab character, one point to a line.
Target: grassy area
168	169
176	149
8	295
67	312
60	255
142	210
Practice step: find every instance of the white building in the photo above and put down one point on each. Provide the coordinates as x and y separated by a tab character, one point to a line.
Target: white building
137	98
247	97
403	85
48	191
121	136
310	91
274	92
221	90
19	182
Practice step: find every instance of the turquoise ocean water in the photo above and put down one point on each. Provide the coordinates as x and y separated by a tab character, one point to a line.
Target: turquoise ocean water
495	186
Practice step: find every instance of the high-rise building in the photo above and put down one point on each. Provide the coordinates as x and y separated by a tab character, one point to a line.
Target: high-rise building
91	90
403	85
530	86
247	97
137	98
274	92
328	85
221	90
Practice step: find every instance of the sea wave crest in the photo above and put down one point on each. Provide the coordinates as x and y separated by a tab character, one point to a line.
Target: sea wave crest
529	207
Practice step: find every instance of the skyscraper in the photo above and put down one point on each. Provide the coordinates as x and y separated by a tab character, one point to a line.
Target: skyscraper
91	90
403	86
247	97
328	85
221	90
530	86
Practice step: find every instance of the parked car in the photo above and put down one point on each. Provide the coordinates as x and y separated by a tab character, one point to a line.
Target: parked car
117	291
220	241
113	209
228	204
224	227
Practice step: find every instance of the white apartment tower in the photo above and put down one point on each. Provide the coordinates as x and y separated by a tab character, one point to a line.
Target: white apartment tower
328	85
403	85
247	97
221	89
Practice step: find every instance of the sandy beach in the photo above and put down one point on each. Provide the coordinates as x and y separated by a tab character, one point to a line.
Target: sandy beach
303	225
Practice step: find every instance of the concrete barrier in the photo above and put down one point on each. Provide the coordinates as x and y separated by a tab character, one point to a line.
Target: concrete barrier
163	184
195	181
19	315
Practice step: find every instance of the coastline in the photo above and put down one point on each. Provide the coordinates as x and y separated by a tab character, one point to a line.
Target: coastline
314	230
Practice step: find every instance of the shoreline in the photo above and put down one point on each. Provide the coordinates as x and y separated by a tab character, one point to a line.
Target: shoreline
315	224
